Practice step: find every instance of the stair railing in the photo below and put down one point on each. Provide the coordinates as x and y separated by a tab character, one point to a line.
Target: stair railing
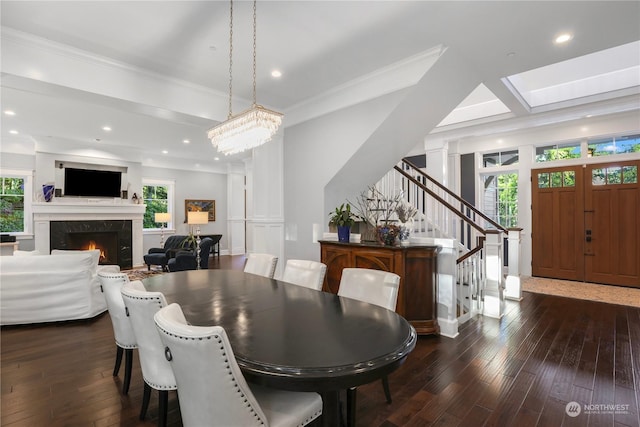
444	214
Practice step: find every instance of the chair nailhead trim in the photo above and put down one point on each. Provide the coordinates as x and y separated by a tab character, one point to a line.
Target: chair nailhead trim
229	371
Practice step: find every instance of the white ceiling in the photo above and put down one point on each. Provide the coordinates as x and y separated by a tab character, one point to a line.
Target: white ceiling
157	71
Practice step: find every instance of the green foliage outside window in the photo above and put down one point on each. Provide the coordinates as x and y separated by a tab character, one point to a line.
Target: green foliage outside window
12	205
501	191
558	152
156	199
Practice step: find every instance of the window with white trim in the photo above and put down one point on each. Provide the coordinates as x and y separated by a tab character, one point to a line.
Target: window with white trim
15	201
158	195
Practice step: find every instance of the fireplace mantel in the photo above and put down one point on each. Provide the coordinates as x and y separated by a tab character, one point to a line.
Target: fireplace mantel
88	210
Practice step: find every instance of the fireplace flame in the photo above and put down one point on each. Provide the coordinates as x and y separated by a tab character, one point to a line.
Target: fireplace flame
93	246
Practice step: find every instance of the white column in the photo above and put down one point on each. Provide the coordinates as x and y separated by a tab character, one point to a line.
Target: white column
437	153
235	209
513	289
265	204
494	289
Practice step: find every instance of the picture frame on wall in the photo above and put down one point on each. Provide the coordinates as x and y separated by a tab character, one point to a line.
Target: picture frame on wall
197	205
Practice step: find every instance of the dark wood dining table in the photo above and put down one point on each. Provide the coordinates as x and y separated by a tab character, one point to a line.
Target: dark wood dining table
290	337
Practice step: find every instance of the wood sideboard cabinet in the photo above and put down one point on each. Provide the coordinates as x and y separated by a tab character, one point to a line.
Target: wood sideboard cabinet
415	264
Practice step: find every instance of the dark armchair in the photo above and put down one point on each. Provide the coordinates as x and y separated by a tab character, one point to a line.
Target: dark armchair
187	260
161	256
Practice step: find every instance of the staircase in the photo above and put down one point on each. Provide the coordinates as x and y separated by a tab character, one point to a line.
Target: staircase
473	277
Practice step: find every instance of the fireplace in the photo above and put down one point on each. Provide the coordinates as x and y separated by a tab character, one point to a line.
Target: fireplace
105	241
112	237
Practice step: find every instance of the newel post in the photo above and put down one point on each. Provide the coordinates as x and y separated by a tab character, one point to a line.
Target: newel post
513	289
494	289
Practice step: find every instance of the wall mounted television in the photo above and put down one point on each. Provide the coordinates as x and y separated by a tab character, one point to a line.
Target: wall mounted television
92	183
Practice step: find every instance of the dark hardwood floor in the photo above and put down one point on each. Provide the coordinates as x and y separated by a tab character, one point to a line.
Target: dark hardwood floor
521	370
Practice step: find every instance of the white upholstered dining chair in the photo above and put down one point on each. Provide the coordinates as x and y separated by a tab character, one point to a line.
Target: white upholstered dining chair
261	264
211	388
304	273
110	285
156	371
374	287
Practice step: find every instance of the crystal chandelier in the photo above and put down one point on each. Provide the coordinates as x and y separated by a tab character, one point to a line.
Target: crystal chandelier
252	127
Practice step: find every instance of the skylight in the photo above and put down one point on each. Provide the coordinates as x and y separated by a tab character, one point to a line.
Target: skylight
594	74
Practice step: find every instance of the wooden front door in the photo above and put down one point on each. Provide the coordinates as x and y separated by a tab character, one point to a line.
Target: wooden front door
586	223
557	223
612	223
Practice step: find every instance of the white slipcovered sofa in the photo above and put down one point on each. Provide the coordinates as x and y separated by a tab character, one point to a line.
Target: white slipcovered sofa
50	288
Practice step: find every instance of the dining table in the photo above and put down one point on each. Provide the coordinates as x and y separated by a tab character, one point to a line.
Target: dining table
291	337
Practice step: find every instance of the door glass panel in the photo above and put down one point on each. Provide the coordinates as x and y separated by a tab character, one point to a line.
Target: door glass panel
556	179
598	176
569	178
629	174
614	175
543	180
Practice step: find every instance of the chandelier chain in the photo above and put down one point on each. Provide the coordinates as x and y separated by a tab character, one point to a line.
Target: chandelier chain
230	59
254	52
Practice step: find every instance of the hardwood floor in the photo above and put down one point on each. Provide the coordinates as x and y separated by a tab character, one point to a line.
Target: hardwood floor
521	370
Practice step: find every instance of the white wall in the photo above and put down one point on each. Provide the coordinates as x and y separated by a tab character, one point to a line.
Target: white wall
192	185
314	151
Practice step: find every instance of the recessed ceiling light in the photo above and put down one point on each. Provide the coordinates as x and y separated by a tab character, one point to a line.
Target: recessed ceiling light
186	141
276	73
106	128
216	158
563	38
13	132
10	112
165	152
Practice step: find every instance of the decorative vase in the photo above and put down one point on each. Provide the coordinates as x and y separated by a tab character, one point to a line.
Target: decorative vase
405	232
343	233
47	191
387	234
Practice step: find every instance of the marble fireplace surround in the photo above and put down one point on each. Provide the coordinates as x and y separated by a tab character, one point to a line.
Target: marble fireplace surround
88	210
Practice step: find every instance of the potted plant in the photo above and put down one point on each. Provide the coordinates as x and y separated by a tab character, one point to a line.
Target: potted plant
343	219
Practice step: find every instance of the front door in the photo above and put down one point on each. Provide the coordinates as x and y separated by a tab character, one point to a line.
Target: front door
612	224
558	223
586	223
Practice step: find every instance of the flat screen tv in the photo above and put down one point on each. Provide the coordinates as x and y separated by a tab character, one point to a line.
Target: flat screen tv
91	183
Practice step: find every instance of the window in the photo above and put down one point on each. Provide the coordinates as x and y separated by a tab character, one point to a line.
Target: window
15	201
615	145
614	175
500	198
502	158
557	179
158	196
548	153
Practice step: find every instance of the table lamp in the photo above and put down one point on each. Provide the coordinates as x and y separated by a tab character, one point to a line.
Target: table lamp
162	218
197	218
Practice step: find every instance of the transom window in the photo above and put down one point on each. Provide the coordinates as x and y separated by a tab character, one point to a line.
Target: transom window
569	150
501	158
615	145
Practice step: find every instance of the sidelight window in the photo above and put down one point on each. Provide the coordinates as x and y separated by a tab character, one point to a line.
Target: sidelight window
500	198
